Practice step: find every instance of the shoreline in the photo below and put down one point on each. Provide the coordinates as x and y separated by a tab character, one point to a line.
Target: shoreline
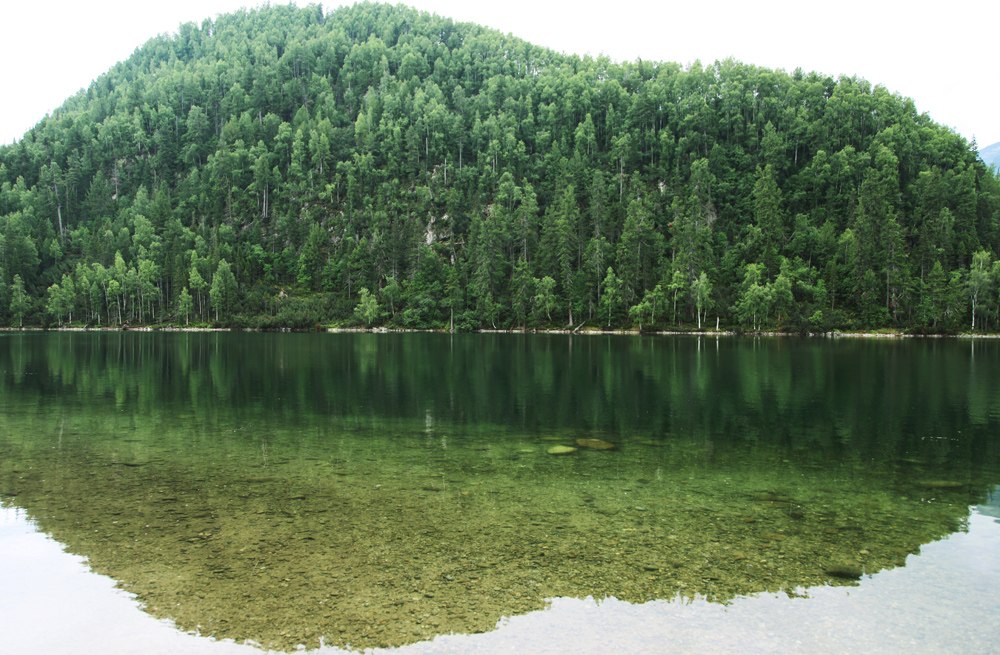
834	334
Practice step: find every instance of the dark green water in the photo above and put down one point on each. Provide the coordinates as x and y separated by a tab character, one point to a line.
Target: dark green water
382	489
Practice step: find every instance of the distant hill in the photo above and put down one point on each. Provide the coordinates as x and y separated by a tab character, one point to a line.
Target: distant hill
991	155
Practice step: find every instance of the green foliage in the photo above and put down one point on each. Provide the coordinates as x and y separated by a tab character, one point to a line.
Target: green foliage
545	301
979	282
522	292
270	164
640	313
768	217
20	303
701	292
649	308
223	291
310	263
611	296
185	304
367	310
60	300
756	298
391	293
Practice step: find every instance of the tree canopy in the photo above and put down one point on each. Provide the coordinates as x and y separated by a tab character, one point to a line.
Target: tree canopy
286	167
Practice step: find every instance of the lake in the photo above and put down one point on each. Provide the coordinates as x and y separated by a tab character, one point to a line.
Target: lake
383	490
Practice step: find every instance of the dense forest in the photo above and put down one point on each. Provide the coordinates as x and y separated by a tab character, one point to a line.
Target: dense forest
375	165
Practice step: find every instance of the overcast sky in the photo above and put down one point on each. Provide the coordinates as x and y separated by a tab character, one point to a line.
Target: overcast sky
943	54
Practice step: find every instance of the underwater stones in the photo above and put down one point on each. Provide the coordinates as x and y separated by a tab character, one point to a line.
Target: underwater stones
844	571
774	497
561	450
595	444
942	484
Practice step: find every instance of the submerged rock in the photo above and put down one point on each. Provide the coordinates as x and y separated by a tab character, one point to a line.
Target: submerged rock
942	484
844	571
561	450
775	497
595	444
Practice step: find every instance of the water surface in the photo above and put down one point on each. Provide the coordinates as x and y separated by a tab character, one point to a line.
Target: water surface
379	490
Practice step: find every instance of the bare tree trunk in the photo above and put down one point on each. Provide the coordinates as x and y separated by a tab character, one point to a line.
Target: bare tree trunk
621	178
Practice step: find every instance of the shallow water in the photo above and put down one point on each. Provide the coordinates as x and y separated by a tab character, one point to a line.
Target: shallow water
380	490
943	600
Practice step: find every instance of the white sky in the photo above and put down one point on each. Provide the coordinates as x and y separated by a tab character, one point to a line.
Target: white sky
943	55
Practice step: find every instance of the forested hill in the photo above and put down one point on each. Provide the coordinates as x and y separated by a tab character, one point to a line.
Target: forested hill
379	165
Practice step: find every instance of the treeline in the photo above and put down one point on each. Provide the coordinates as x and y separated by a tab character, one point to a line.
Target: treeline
377	165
